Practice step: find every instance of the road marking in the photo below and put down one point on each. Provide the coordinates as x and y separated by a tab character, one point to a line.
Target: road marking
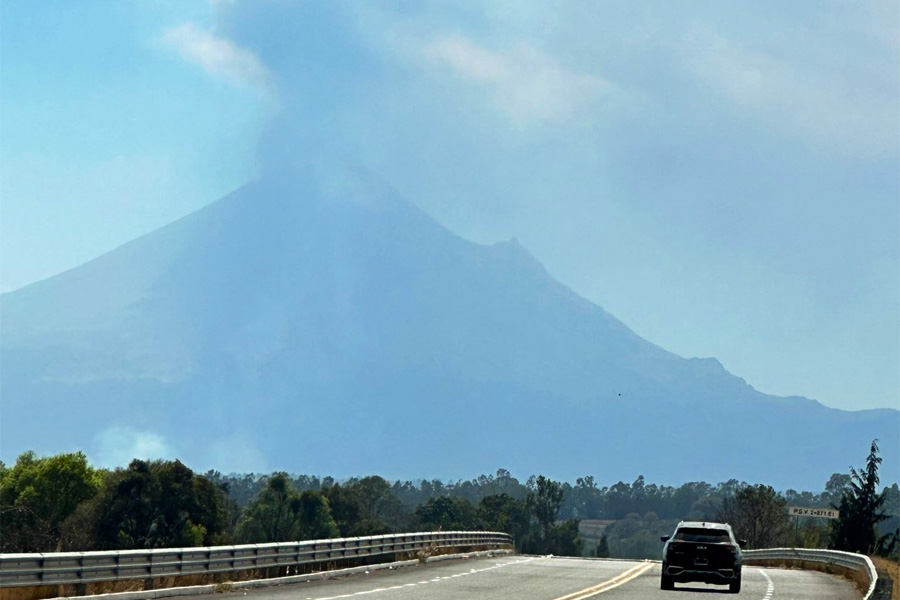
397	587
610	584
770	586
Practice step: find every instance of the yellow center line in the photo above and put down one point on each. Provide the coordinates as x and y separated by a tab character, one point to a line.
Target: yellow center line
605	586
571	595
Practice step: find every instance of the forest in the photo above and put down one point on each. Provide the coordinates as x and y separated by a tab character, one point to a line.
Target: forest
63	503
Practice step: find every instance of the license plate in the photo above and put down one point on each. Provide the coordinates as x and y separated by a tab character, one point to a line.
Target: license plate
701	561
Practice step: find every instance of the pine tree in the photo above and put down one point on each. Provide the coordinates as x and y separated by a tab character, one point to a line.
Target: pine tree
860	509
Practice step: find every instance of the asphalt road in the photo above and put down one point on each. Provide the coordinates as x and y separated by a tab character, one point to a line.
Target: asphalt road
544	578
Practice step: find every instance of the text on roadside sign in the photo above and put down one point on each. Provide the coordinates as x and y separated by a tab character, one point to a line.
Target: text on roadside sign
822	513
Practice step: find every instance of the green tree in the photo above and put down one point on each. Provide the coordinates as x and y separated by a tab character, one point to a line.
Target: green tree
38	494
837	484
691	501
861	509
813	534
447	514
280	514
379	510
583	500
544	502
159	504
374	495
602	550
758	514
564	540
501	512
273	515
344	504
78	532
128	509
316	521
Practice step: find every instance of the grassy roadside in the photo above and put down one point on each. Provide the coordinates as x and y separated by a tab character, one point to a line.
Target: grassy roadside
893	568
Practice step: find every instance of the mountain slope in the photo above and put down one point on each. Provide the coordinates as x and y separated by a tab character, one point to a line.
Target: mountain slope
317	322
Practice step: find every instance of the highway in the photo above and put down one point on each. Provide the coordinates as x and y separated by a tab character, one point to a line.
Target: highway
549	578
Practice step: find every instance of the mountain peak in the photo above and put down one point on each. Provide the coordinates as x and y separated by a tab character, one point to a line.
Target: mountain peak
317	303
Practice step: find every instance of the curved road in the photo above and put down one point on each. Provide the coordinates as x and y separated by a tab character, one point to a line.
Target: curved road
546	578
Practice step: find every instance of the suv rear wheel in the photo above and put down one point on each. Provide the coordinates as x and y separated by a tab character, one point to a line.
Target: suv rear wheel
735	586
666	583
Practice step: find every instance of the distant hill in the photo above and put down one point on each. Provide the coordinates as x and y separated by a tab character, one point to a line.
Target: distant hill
317	322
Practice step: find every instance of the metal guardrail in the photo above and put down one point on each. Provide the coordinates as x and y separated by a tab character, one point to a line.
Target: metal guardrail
60	568
848	560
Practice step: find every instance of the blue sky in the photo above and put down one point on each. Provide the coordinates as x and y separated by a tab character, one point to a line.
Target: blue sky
723	177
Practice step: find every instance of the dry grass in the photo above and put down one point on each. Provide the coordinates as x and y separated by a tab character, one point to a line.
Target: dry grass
29	593
893	569
126	585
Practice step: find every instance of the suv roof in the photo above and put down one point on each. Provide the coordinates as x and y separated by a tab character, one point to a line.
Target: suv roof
704	525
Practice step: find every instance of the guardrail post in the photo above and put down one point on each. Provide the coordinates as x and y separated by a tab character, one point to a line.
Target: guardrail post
81	587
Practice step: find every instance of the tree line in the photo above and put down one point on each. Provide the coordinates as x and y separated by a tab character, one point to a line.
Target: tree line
62	503
869	519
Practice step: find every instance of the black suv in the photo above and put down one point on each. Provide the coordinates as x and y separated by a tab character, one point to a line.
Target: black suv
704	552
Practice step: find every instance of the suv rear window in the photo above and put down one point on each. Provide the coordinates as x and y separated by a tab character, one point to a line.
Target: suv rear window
707	536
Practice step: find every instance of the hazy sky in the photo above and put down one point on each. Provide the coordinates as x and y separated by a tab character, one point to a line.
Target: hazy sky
723	177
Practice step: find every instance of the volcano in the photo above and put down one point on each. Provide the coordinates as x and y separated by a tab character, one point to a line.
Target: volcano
317	322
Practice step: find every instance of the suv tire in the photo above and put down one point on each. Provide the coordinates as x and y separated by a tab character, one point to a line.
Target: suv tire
735	586
666	583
